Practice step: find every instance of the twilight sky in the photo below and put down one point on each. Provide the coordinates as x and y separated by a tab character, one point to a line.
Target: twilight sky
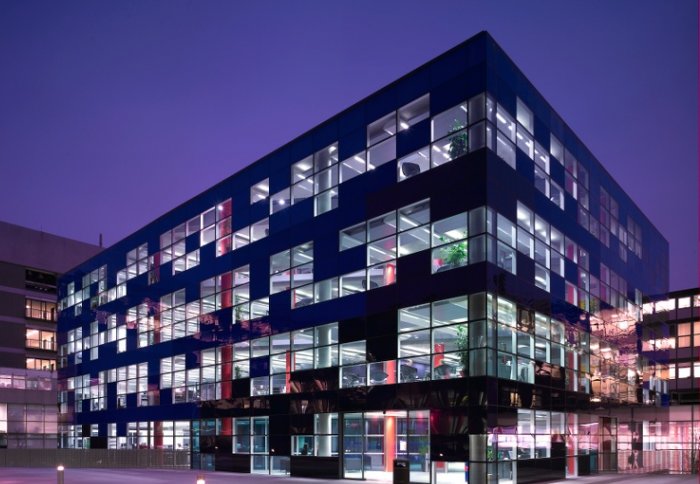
114	112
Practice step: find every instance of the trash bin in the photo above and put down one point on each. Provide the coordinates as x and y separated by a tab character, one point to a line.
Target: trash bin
402	471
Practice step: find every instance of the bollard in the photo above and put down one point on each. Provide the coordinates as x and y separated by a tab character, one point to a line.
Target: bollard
200	480
59	474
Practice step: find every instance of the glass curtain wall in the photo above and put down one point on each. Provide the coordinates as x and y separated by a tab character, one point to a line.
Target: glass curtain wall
372	440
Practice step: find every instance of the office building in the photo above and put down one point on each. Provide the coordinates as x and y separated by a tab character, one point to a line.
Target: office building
30	262
671	332
442	273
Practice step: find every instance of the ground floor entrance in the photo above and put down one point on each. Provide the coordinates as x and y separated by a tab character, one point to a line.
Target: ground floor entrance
434	446
373	440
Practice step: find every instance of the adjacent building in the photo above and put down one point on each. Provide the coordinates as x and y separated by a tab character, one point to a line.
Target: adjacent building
671	332
442	273
30	263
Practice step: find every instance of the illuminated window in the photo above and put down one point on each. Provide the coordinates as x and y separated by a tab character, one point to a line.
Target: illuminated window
36	309
505	149
541	277
414	164
382	129
353	236
684	335
292	268
449	237
326	201
525	143
524	116
136	262
132	379
302	179
381	153
684	370
353	166
41	339
41	364
556	149
556	195
414	112
280	200
571	294
449	121
260	230
260	191
414	228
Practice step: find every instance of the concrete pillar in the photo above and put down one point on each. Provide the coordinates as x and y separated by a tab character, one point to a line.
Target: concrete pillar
389	443
477	458
325	290
324	353
323	430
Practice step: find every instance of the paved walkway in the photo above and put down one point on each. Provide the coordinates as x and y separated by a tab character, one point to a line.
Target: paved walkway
14	475
630	478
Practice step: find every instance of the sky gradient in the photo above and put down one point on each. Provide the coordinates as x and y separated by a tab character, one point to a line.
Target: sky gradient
114	112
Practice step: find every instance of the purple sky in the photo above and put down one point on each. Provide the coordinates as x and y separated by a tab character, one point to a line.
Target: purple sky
114	112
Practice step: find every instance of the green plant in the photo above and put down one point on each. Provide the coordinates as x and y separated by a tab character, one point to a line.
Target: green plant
239	314
455	254
490	454
458	143
463	347
424	448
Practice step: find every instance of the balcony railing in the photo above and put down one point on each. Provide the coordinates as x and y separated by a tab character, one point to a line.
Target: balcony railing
26	379
47	344
43	314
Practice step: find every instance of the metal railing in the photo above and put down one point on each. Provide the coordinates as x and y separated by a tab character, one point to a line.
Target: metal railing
635	462
49	345
97	458
26	379
43	314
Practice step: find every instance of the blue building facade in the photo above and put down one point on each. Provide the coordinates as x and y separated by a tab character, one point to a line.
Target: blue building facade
441	273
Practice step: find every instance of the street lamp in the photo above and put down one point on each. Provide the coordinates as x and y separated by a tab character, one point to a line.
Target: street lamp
59	474
200	480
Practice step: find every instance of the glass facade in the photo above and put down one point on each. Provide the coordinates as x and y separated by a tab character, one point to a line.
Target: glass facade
671	332
441	274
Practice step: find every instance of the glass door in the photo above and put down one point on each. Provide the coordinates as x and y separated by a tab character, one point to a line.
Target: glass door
414	444
372	440
353	436
380	445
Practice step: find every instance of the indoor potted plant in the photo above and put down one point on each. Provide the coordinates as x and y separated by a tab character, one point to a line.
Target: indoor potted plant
458	142
454	255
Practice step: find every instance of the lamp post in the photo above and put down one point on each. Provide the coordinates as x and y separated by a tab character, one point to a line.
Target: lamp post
59	474
200	480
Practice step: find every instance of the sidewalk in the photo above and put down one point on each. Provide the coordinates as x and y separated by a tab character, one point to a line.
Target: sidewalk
15	475
628	478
